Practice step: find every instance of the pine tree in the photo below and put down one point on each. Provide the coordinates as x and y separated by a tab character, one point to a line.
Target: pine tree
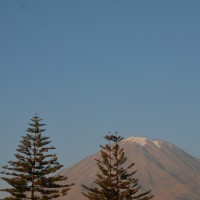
115	180
32	175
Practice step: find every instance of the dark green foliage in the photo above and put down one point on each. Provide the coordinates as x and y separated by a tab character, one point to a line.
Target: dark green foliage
115	180
32	175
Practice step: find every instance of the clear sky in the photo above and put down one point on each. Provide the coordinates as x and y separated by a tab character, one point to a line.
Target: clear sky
90	67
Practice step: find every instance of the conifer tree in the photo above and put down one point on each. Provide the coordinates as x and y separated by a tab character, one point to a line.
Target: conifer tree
32	175
115	180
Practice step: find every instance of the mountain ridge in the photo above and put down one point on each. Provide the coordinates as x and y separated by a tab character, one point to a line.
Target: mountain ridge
167	170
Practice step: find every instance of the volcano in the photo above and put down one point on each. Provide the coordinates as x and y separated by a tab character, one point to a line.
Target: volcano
162	167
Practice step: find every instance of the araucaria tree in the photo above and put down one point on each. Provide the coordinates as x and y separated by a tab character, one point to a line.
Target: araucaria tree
115	179
32	175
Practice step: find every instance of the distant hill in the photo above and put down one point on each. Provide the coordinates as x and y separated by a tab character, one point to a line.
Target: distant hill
170	172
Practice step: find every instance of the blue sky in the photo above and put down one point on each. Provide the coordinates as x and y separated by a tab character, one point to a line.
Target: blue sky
90	67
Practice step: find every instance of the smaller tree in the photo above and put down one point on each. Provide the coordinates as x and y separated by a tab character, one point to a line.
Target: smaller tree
115	180
32	175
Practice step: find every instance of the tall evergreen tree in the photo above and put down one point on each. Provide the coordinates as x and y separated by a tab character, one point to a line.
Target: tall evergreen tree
115	180
32	175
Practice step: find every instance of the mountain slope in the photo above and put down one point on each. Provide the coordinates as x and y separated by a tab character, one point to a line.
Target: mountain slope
167	170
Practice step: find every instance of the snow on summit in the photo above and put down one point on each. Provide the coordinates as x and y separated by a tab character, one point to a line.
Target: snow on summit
157	143
139	140
144	141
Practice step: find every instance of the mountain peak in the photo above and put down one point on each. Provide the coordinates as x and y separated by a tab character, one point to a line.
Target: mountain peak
139	140
142	141
160	165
